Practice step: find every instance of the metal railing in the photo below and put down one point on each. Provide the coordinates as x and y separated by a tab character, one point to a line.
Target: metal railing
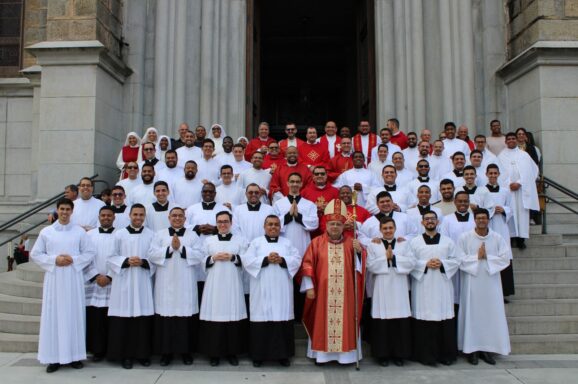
547	183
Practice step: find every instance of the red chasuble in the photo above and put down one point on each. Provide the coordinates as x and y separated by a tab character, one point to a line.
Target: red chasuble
337	165
255	144
336	145
400	139
313	154
269	160
358	147
320	196
284	143
279	179
329	319
362	215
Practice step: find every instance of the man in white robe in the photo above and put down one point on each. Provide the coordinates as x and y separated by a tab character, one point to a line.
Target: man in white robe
482	324
187	190
521	172
423	178
188	151
359	178
119	207
133	178
479	195
272	262
401	197
380	161
228	193
131	307
175	251
423	205
422	154
432	301
157	217
439	163
62	250
86	207
172	172
144	193
390	265
98	285
404	175
208	166
457	174
451	143
256	175
223	329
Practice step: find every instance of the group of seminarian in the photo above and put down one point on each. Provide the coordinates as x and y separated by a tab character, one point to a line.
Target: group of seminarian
414	259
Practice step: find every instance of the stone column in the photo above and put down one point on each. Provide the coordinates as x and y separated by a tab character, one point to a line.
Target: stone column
385	61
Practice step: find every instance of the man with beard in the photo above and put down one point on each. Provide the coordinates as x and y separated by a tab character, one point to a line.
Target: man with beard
144	193
401	198
259	143
365	140
496	141
86	206
186	190
278	187
330	140
439	163
256	175
346	196
341	162
292	140
189	151
312	153
272	262
172	172
200	136
423	178
422	154
397	136
457	174
273	158
377	164
320	192
149	151
453	144
176	252
411	152
133	178
446	204
119	207
385	136
359	178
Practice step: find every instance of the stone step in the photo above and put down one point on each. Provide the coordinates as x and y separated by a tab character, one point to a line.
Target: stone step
543	325
19	324
566	217
30	272
546	277
549	239
11	285
545	264
562	229
20	305
546	291
542	307
544	344
562	250
12	342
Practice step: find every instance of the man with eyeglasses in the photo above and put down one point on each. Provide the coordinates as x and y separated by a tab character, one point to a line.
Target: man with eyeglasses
189	151
320	192
331	140
86	207
365	140
256	175
133	178
313	153
144	192
119	207
149	157
292	140
341	162
273	158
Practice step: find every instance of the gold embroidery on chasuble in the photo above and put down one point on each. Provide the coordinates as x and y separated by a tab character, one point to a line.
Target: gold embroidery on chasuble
313	155
335	297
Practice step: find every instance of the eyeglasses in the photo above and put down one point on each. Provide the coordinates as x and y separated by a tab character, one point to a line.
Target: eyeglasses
223	221
253	192
319	174
132	167
423	166
273	147
148	149
120	194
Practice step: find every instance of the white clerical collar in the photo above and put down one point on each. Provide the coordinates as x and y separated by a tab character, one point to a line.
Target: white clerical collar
321	187
291	165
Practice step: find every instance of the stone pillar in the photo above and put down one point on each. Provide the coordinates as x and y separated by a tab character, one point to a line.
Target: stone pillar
385	61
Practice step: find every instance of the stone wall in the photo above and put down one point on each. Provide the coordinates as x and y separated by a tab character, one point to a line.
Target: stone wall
35	12
530	21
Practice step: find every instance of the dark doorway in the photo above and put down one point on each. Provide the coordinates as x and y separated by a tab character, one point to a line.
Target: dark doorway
310	61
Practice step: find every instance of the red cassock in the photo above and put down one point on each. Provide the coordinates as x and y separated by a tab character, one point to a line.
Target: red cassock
320	195
362	215
358	147
283	144
313	154
337	165
270	160
323	140
255	144
279	179
330	318
399	139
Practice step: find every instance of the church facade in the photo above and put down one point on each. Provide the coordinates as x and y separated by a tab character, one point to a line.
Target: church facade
77	75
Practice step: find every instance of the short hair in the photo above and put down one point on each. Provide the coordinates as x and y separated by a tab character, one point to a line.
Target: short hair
356	153
462	193
238	145
424	186
252	185
72	187
225	213
446	182
382	146
160	183
179	208
495	121
398	153
208	184
492	166
294	174
264	123
381	195
117	187
394	121
423	161
205	141
147	166
64	201
147	143
470	168
509	134
428	213
227	137
190	161
105	208
481	211
450	124
458	153
271	217
476	151
86	178
319	166
385	220
226	166
479	137
345	186
137	205
388	166
169	151
412	133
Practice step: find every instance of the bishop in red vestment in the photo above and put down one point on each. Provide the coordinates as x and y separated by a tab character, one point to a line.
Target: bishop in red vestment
320	192
362	214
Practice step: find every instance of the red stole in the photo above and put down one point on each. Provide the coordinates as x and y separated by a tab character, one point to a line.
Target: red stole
283	144
358	147
337	145
337	165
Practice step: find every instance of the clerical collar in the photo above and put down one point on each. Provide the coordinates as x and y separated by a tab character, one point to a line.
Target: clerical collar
226	237
119	209
291	165
390	188
159	207
423	179
462	217
470	191
322	187
346	154
134	231
208	206
431	240
271	239
424	209
108	231
493	188
179	232
388	242
381	215
332	241
294	198
152	162
458	173
253	208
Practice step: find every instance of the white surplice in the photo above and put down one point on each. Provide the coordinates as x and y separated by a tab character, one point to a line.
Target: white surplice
103	242
363	176
481	197
85	212
186	192
439	166
401	196
299	233
185	154
261	177
157	216
209	170
229	194
271	284
454	145
499	222
376	166
434	186
142	194
62	321
128	184
404	227
482	324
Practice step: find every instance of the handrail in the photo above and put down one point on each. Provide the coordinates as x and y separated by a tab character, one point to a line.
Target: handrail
561	188
34	210
23	232
547	183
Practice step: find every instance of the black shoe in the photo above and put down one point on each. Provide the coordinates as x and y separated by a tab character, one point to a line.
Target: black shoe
430	364
145	362
446	362
383	362
214	361
506	301
257	363
52	368
233	360
487	357
97	358
77	364
285	362
127	363
165	360
187	359
398	362
319	364
473	358
521	244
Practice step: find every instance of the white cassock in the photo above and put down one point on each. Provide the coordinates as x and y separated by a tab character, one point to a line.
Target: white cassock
142	194
489	158
453	228
85	212
131	292
271	284
370	228
416	213
433	185
187	192
62	321
439	166
376	166
170	175
432	291
481	197
454	145
121	218
175	288
399	194
223	298
261	177
455	176
156	163
103	243
185	154
390	298
229	194
157	216
363	176
404	176
519	167
411	157
482	324
499	222
297	230
391	149
209	170
129	184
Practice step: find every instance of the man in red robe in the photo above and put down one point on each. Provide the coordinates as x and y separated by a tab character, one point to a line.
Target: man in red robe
259	143
278	187
397	136
328	269
362	214
364	140
274	158
342	161
330	140
320	193
312	153
292	140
